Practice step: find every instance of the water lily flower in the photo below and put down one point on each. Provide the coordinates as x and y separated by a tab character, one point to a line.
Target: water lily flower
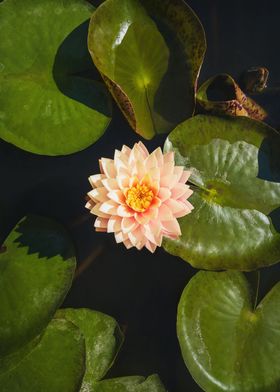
139	196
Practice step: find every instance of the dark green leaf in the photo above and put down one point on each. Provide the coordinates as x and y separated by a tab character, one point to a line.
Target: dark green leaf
56	364
131	384
151	67
228	345
235	165
36	272
50	101
103	339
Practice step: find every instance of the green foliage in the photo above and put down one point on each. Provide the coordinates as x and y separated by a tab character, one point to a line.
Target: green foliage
36	272
50	101
235	167
151	68
227	343
103	339
56	364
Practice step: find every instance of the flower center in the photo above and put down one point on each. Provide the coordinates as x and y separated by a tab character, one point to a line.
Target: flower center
139	197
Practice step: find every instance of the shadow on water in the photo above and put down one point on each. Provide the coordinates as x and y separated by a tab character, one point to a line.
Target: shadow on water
174	99
40	236
75	74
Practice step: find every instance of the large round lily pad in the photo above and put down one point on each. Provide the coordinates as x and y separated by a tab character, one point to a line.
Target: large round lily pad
150	54
103	339
227	343
50	101
36	272
56	364
235	164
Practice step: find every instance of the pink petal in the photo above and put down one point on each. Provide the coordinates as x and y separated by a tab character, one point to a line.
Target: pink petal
175	205
164	194
97	211
145	217
127	244
159	156
167	169
136	236
185	176
124	211
126	150
168	181
129	224
109	207
143	148
117	196
150	246
114	224
138	169
164	213
101	223
96	180
108	167
168	157
98	194
155	173
90	204
123	181
110	183
179	190
172	227
150	162
120	237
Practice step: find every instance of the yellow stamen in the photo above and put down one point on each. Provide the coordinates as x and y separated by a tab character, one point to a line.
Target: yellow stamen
139	197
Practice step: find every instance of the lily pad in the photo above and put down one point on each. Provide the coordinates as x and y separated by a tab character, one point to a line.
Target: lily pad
227	343
131	384
50	101
235	164
56	364
222	95
103	339
149	54
36	272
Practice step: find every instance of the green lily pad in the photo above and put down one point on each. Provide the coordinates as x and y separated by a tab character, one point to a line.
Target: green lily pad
222	95
235	166
103	339
227	344
149	54
36	272
131	384
50	101
56	364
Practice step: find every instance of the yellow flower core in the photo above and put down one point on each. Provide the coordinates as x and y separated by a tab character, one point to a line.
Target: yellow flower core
139	197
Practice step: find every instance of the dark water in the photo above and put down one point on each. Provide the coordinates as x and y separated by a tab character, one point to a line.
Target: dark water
139	289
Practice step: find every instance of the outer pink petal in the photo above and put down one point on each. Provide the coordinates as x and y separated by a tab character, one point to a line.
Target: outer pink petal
159	156
108	167
120	237
168	181
179	190
172	227
126	150
96	211
143	148
168	157
136	236
101	223
128	244
150	162
175	205
185	176
167	169
114	224
98	194
150	246
96	180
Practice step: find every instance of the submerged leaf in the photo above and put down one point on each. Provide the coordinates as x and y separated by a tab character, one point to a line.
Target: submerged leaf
150	66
